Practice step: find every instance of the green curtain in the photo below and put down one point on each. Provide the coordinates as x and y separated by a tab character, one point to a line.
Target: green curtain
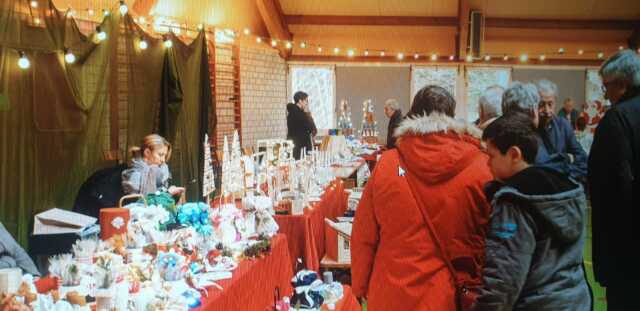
185	102
55	118
52	132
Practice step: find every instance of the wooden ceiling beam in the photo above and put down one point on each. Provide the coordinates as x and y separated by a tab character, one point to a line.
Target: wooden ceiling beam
143	7
357	20
536	23
277	27
442	60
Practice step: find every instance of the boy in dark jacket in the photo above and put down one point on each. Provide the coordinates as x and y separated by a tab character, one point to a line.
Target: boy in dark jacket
533	258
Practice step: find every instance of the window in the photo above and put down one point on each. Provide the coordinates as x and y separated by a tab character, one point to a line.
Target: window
422	76
319	82
479	79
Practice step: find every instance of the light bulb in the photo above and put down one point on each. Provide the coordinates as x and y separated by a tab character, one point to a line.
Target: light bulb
319	49
288	45
23	62
487	58
469	58
542	57
561	50
69	57
303	45
366	52
36	21
400	56
451	57
336	50
580	52
434	57
71	12
416	56
350	53
123	8
505	58
600	55
34	4
274	43
247	31
143	45
200	26
524	57
259	40
91	12
620	48
105	13
168	43
142	20
382	54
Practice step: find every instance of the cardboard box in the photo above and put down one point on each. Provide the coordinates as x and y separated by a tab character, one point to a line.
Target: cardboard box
338	241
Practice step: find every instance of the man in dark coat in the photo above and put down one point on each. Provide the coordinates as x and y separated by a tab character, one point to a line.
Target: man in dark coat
614	181
299	125
393	112
560	149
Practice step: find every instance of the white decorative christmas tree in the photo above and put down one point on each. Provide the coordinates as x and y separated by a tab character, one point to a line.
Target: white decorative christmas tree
344	120
226	165
369	124
208	180
236	174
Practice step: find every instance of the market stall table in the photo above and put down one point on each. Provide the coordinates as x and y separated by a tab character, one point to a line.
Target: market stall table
305	233
254	281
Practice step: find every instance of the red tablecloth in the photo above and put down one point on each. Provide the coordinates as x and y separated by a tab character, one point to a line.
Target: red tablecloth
305	233
254	281
347	303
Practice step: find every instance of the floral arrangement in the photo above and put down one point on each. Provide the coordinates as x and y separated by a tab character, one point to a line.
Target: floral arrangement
195	215
64	267
166	201
258	249
171	265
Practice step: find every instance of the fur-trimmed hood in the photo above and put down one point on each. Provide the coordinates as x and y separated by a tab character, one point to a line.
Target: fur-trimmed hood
437	148
436	123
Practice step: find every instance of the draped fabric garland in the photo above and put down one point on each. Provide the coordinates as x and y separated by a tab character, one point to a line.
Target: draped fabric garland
58	119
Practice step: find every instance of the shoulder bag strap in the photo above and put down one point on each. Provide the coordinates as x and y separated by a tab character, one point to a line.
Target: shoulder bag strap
427	220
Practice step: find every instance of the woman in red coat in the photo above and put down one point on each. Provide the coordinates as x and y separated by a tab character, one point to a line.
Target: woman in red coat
395	263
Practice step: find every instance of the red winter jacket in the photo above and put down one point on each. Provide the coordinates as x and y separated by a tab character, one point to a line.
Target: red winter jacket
395	262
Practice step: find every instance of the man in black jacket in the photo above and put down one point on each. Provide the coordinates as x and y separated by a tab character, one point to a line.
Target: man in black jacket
393	112
614	181
300	127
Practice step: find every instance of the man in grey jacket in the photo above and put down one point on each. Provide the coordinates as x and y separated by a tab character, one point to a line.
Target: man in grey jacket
13	256
533	257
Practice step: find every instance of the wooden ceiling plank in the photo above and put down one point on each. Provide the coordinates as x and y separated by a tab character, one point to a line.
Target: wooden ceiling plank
537	23
345	20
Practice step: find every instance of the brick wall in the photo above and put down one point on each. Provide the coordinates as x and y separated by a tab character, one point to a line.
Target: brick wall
263	78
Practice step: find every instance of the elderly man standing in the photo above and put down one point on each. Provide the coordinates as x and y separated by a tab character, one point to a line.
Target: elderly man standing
568	112
614	180
489	105
393	112
560	148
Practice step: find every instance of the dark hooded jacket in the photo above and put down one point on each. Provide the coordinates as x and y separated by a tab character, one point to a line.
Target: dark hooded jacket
534	244
299	129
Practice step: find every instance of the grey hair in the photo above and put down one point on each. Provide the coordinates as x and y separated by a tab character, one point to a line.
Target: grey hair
547	87
392	103
491	100
624	65
520	97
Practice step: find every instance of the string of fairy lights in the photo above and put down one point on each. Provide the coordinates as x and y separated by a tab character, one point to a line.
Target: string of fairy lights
165	25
